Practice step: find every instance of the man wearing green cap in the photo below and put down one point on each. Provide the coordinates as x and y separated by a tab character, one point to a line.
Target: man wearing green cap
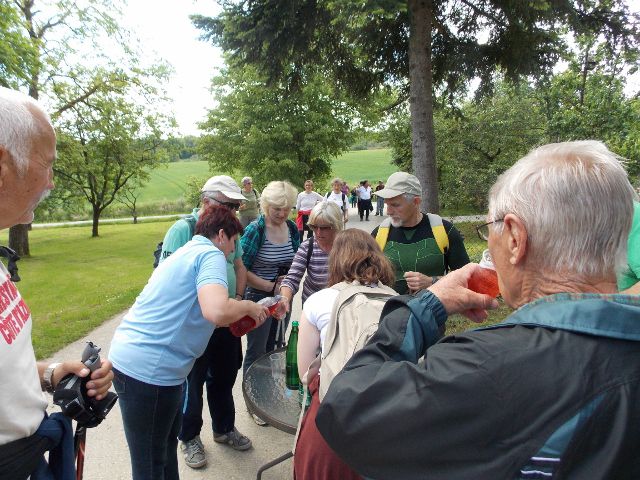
421	246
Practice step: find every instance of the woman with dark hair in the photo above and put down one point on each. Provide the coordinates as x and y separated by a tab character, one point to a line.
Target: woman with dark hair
355	259
168	327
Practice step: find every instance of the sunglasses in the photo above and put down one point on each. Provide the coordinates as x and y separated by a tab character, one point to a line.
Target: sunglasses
320	228
229	205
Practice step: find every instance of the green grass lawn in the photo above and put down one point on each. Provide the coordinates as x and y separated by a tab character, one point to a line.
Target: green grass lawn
73	283
168	184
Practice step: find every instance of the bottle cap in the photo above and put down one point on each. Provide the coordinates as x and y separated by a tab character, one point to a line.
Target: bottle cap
294	323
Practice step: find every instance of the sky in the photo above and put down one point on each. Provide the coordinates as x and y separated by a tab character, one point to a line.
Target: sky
163	26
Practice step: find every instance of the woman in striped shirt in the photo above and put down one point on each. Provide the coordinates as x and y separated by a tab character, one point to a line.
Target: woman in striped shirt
269	244
325	221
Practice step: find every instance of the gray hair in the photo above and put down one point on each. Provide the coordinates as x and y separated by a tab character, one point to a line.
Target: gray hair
246	180
278	194
576	202
18	125
327	212
337	180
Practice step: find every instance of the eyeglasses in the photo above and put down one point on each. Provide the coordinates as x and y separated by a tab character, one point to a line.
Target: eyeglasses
229	205
321	228
483	230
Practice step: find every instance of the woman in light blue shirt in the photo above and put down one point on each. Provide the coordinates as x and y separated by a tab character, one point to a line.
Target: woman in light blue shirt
160	338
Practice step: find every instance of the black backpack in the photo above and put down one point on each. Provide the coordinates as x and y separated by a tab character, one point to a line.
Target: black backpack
191	220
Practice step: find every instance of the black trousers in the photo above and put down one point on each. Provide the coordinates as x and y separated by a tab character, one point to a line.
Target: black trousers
217	368
364	207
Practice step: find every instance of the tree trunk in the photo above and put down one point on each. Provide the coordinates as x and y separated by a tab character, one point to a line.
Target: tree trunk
96	221
19	239
423	143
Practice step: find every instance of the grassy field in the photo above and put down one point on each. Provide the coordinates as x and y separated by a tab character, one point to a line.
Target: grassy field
168	184
73	282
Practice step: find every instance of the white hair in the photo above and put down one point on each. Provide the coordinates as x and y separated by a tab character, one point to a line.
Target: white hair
577	205
328	212
246	180
279	194
18	125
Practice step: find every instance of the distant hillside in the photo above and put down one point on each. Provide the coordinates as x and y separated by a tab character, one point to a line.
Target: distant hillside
168	184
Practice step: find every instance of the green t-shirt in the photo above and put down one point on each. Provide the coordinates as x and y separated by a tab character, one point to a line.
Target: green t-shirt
631	275
251	207
180	233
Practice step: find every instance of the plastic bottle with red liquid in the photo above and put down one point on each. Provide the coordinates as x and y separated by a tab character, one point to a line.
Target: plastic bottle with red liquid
485	280
246	323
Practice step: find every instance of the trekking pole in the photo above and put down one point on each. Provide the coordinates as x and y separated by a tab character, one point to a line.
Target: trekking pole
79	440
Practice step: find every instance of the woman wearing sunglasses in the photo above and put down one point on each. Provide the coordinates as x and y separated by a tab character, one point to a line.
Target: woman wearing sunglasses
325	220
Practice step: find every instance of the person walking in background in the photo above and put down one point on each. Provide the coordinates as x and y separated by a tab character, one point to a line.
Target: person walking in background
305	202
553	391
339	198
345	188
27	154
250	208
379	200
354	197
269	244
422	247
165	331
326	220
218	366
364	200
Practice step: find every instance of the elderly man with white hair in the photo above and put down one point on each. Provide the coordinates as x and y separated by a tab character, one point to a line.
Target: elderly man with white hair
551	392
218	366
27	153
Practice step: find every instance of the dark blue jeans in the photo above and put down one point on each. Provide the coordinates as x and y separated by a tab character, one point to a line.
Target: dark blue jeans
217	368
151	417
262	339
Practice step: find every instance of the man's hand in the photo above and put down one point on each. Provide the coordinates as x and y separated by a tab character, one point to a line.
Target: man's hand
452	291
417	281
256	311
100	380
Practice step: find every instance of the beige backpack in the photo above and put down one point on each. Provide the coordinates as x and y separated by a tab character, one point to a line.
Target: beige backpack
354	319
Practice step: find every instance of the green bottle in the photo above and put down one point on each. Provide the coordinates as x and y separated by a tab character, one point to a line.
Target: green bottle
292	378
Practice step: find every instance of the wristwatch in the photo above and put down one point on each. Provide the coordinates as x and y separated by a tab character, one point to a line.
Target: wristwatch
46	378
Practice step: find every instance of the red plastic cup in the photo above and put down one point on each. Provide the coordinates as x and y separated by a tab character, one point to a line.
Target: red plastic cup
485	280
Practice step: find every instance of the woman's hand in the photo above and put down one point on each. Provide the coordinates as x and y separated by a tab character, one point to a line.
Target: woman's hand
256	311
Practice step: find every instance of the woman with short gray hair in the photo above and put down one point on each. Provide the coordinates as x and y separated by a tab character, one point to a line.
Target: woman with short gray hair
250	209
312	257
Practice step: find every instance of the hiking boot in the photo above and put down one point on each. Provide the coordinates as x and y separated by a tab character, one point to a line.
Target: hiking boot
193	451
234	439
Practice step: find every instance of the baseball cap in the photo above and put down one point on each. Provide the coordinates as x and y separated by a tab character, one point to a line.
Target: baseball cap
399	183
225	185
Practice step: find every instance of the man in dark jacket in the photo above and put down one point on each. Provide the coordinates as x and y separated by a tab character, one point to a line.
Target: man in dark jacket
551	392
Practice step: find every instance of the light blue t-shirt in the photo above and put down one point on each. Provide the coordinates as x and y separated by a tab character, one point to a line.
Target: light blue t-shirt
161	336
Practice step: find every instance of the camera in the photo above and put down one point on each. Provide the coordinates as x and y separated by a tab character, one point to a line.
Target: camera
71	394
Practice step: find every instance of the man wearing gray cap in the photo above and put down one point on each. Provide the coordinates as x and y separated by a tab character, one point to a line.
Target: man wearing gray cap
218	366
421	246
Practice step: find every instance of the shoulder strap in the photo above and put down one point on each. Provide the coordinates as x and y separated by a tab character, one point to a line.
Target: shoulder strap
309	251
439	233
383	233
327	195
191	221
348	290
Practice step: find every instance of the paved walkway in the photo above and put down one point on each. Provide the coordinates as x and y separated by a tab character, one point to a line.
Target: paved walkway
107	455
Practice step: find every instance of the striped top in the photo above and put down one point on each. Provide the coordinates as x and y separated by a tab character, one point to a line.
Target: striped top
317	272
270	257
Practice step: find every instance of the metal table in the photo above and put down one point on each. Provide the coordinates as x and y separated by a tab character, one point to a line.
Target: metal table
271	400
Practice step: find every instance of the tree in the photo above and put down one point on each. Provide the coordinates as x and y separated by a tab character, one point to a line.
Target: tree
107	144
275	132
416	46
41	38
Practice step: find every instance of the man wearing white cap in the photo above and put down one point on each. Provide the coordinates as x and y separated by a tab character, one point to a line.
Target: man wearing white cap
421	246
218	366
